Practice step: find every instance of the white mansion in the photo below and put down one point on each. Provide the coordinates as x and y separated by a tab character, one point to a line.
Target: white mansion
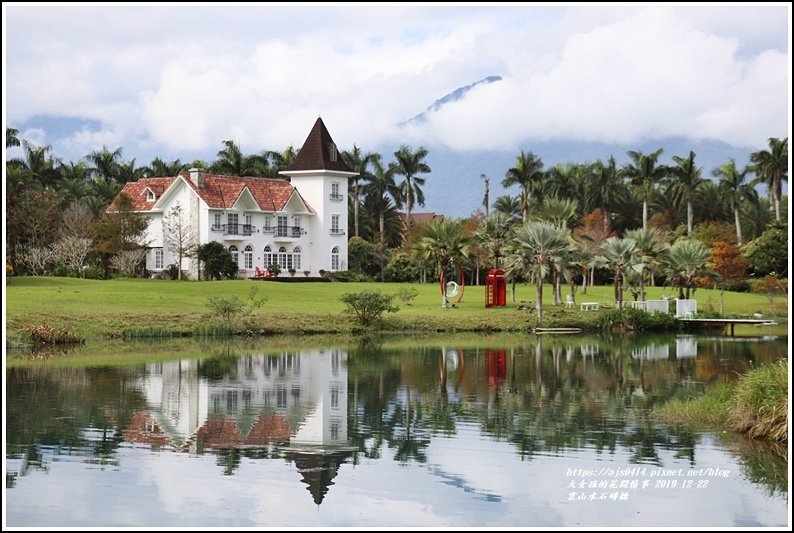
298	224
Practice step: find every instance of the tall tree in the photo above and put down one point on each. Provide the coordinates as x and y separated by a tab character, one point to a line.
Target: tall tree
494	233
119	229
446	244
535	248
359	162
618	255
734	187
686	261
12	137
528	174
410	164
686	180
179	236
160	168
232	162
508	205
771	167
645	172
602	189
105	163
379	191
649	248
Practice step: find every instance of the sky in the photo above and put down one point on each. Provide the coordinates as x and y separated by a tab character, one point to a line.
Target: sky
175	81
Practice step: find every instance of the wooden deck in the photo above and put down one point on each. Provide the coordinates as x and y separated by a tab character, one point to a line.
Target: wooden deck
729	323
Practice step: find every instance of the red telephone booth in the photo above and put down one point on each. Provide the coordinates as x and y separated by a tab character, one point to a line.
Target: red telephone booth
495	288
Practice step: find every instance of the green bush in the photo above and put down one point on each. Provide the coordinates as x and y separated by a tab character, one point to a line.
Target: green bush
232	313
368	306
407	294
46	334
760	406
628	319
402	268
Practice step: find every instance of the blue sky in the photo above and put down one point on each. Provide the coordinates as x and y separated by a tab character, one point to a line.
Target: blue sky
175	81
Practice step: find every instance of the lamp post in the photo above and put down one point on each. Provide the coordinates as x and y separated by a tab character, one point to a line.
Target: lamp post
485	201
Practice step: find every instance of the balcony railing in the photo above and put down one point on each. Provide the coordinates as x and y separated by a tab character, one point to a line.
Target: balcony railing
233	229
289	232
336	197
337	231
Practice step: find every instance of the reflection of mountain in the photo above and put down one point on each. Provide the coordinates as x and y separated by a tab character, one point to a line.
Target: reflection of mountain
297	401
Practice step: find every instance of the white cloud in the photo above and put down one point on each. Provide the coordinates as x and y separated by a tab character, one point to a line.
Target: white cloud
184	80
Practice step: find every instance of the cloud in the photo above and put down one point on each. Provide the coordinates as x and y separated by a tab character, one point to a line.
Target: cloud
183	80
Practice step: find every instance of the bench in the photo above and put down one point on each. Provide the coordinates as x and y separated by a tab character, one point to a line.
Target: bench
590	306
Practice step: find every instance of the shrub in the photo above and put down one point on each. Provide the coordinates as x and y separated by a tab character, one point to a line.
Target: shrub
368	306
150	332
760	406
407	294
627	319
232	312
402	268
46	334
172	271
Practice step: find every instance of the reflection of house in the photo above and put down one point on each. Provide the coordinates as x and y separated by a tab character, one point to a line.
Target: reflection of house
686	346
297	401
652	351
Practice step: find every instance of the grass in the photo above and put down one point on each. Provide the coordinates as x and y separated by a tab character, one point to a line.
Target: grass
756	405
96	308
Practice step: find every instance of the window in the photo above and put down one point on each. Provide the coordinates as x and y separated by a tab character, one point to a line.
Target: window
296	228
335	195
281	230
282	258
268	258
335	225
248	257
158	258
150	195
233	251
232	220
268	228
332	151
296	258
335	258
248	220
217	220
334	397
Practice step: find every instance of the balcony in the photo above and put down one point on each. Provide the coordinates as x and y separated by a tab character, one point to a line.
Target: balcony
336	197
337	231
288	233
233	230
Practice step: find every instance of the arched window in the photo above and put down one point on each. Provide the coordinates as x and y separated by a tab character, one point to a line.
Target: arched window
282	258
335	258
267	257
248	257
296	258
233	251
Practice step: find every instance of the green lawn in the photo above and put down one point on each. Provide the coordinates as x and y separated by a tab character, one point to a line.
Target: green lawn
95	308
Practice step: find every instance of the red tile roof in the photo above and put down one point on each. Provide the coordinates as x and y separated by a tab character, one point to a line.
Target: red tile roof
218	433
417	219
268	428
219	192
316	152
144	429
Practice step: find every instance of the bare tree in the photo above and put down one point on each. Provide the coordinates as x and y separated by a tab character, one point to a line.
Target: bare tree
72	251
76	221
179	236
35	258
127	261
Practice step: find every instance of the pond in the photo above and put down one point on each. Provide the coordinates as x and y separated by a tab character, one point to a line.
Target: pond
491	431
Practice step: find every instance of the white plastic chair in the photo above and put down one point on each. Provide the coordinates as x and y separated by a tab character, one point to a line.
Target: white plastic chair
569	303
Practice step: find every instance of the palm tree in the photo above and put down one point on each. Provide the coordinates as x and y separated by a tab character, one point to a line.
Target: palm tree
358	162
410	164
446	244
686	180
649	247
602	189
559	211
568	181
232	162
39	164
494	232
159	168
685	261
278	161
618	255
12	137
528	174
734	187
105	163
535	248
509	206
379	191
771	167
645	172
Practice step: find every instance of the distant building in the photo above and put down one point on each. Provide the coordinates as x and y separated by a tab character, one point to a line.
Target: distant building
297	224
419	219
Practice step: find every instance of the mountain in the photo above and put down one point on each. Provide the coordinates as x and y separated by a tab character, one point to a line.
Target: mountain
454	96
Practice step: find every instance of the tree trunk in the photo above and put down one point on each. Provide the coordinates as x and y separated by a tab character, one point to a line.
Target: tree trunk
738	225
539	300
645	214
355	208
689	216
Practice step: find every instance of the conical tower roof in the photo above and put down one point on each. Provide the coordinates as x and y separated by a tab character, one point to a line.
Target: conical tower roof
319	152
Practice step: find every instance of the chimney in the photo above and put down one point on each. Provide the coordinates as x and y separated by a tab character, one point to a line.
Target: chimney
197	177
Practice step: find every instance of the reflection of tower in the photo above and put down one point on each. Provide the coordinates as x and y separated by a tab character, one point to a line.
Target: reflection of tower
320	443
496	367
